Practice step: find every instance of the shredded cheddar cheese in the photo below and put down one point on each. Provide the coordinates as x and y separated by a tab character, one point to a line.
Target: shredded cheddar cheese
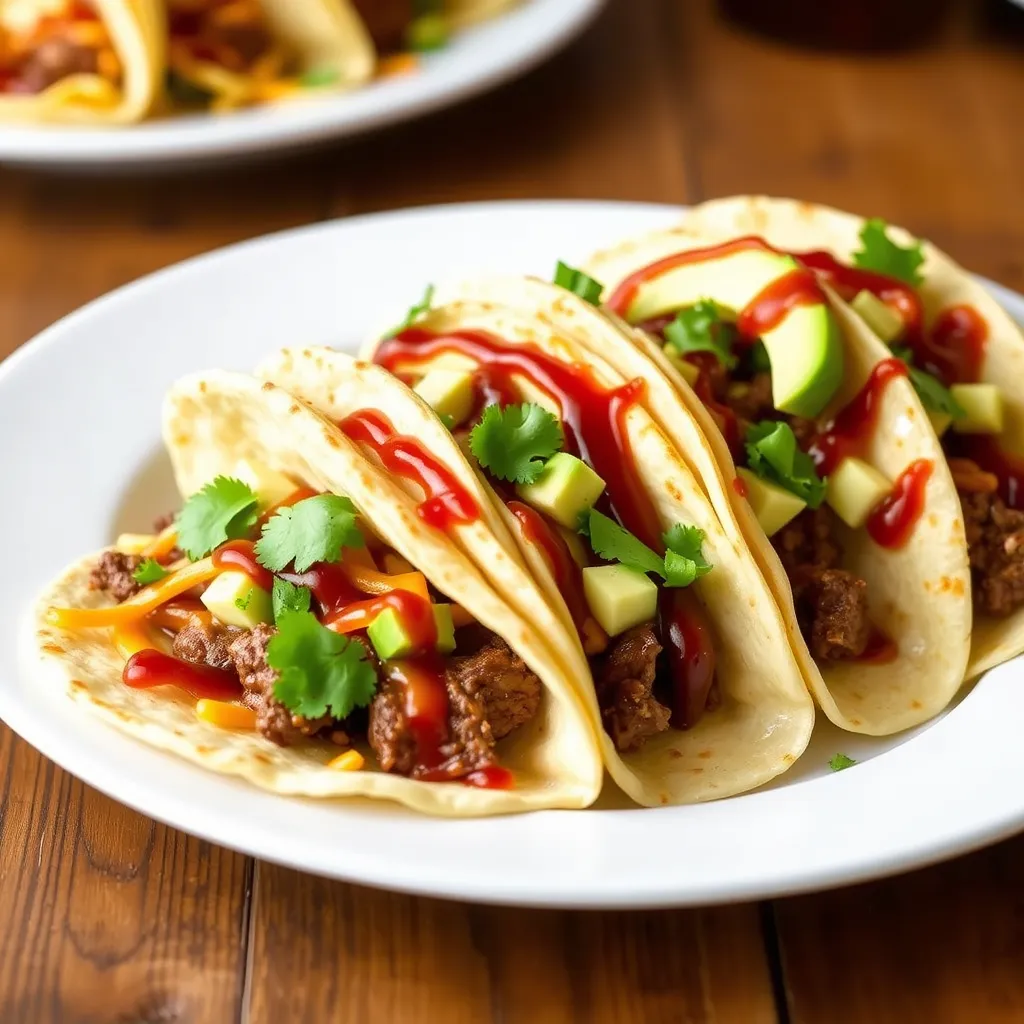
225	715
350	761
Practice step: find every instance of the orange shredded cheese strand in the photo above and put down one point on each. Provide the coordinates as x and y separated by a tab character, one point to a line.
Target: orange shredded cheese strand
461	617
226	715
396	65
369	581
163	544
350	761
132	637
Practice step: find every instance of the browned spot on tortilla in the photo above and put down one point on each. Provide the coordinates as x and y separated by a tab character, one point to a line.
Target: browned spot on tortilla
752	602
123	715
53	648
294	408
855	721
664	799
261	757
203	749
705	754
928	586
183	439
77	684
202	387
330	398
788	758
673	490
674	754
952	586
933	519
916	705
331	439
178	732
696	771
307	352
267	386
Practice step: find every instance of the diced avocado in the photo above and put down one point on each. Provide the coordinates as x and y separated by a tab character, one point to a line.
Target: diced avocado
689	372
881	318
565	488
390	639
774	506
448	392
234	599
270	486
619	597
983	408
805	349
854	489
940	421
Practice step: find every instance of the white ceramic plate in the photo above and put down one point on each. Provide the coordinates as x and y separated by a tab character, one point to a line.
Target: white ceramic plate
80	460
478	59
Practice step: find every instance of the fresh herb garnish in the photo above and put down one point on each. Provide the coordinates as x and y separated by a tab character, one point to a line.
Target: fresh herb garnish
320	671
427	32
149	571
416	312
287	597
683	562
760	361
225	509
772	454
578	283
317	78
878	252
513	443
841	761
932	392
241	603
314	530
702	328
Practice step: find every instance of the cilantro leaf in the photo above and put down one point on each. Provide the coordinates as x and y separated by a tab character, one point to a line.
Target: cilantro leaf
241	603
578	283
684	559
319	670
149	571
880	253
772	454
514	443
841	761
932	392
701	328
615	544
225	509
287	597
759	359
314	530
416	312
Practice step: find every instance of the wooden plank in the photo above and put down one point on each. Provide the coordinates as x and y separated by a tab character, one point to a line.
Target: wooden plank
326	951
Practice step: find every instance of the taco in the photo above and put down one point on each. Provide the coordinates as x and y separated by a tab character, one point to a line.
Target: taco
842	491
672	640
963	351
337	641
225	54
84	61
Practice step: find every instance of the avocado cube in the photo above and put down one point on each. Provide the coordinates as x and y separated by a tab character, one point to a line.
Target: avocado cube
235	600
881	318
619	597
983	408
687	370
940	421
449	393
390	639
271	487
565	488
854	489
773	505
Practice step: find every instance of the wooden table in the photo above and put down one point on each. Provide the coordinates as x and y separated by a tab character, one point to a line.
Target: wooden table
106	916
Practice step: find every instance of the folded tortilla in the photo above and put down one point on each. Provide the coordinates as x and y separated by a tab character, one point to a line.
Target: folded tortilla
211	422
124	48
765	716
918	594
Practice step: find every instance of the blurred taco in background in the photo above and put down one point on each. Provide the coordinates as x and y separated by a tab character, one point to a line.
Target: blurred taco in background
80	61
307	625
965	356
662	623
824	456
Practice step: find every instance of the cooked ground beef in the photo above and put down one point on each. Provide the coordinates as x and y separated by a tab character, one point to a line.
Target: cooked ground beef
206	643
499	677
248	651
995	542
114	574
831	603
53	60
624	677
390	736
386	21
471	740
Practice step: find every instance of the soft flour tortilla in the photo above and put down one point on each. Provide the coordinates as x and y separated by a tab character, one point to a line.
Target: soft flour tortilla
138	33
767	715
212	421
789	224
919	594
463	13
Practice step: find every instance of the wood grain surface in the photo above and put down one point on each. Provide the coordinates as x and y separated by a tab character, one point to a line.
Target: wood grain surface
110	917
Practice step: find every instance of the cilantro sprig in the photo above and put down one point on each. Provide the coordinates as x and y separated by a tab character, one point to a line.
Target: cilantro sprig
319	671
416	312
314	530
225	509
513	443
702	328
772	454
840	761
578	283
932	392
149	571
683	563
287	597
878	252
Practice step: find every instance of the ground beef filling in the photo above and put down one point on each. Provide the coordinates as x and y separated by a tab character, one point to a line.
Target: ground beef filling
386	21
831	603
202	642
114	573
995	541
53	60
624	678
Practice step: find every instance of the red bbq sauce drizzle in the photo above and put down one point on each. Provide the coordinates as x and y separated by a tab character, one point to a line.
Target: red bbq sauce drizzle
686	636
413	612
448	503
150	668
426	707
774	303
894	518
241	555
739	486
854	424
